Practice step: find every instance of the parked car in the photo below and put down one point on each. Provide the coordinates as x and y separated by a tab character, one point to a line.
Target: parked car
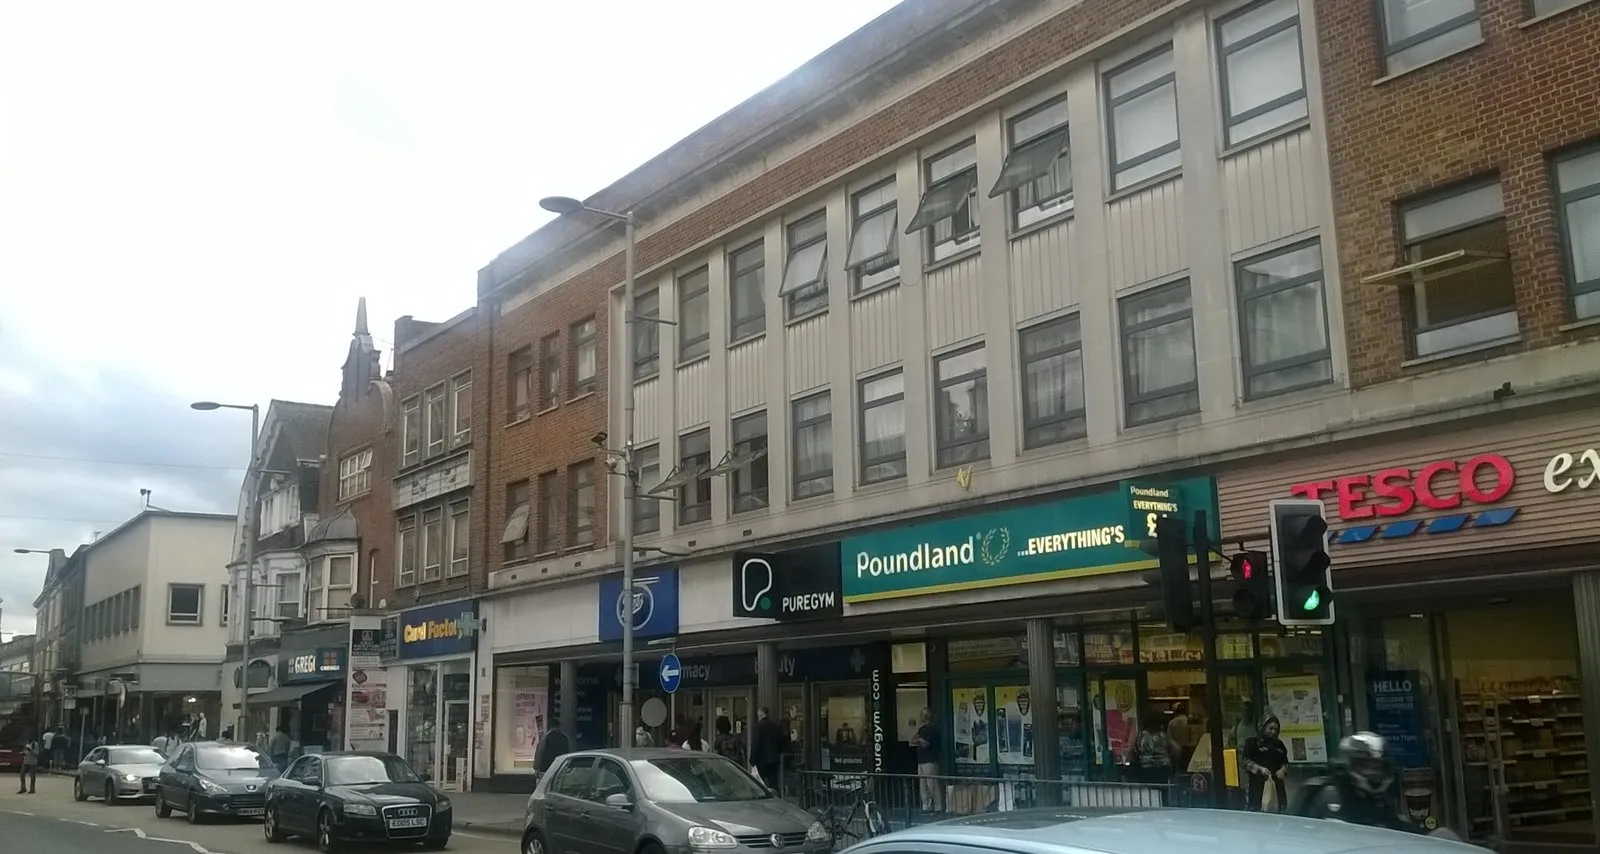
356	797
661	800
118	771
213	778
10	757
1067	830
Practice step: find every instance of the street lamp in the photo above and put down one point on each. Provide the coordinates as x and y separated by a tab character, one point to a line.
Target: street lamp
252	516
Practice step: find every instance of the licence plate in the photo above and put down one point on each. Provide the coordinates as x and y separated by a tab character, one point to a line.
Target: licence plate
149	785
403	823
252	811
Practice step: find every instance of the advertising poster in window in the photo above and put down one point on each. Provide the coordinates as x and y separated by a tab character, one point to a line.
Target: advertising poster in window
970	728
1297	701
847	735
529	710
1116	713
366	724
1013	725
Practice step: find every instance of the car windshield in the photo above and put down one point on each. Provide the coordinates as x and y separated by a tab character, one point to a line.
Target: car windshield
136	756
356	770
232	758
696	780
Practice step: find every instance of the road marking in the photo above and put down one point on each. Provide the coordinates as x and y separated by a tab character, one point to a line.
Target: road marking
84	823
476	836
17	812
199	849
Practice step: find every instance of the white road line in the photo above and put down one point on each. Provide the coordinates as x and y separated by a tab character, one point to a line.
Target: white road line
199	849
84	823
476	836
17	812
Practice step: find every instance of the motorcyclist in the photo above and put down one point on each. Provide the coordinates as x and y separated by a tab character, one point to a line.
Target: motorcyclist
1361	790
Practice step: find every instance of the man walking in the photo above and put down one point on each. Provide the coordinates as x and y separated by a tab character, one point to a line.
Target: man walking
766	748
29	781
49	752
926	741
278	747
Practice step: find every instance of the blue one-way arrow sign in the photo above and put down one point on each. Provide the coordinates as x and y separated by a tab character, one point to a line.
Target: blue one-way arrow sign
671	673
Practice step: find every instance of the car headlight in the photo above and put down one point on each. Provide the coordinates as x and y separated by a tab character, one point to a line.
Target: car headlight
818	833
130	778
213	788
442	806
360	809
710	837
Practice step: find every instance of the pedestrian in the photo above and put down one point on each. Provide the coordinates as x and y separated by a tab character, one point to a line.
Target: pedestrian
63	745
552	746
766	748
926	741
29	780
1266	758
278	747
48	752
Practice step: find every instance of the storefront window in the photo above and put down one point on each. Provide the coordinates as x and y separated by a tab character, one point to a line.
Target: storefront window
969	730
1108	646
1004	652
456	679
1306	643
1013	727
845	732
521	710
1116	719
1070	732
422	697
1068	650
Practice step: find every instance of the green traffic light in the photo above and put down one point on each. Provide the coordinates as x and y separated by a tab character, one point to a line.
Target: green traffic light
1312	601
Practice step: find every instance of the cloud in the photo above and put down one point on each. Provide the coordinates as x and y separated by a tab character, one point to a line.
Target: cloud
77	445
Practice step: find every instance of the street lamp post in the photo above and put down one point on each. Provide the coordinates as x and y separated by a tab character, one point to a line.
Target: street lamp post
567	206
252	519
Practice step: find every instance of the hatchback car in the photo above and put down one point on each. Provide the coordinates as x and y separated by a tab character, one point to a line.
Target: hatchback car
661	801
118	771
356	797
214	778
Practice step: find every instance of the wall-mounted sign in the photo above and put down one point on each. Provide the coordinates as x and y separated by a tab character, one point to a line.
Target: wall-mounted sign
653	605
433	481
1560	474
449	629
320	664
797	584
1147	502
1438	485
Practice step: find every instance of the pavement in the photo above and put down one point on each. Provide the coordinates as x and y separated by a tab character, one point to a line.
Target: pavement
51	821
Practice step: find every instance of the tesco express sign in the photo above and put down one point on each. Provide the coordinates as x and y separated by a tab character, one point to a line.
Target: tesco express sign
1438	485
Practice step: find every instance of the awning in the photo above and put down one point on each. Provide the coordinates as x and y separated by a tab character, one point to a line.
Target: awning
286	694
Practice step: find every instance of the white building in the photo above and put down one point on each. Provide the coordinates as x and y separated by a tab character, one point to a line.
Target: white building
152	630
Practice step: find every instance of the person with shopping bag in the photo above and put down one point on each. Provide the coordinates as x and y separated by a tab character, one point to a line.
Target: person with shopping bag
1265	758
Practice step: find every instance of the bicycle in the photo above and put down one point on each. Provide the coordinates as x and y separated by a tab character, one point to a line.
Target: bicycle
841	823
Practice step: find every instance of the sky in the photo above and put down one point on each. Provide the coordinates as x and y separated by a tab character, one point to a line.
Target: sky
193	196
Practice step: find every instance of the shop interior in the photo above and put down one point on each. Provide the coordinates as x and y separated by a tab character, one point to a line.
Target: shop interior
439	720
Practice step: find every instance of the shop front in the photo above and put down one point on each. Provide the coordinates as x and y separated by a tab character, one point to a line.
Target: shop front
1467	607
437	648
309	699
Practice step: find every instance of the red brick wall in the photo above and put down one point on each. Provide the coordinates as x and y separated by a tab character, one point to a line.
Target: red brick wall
1501	107
360	422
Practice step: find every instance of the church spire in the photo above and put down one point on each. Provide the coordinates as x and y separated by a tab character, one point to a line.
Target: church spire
361	316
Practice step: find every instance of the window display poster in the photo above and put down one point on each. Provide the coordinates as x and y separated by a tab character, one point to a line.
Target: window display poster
1297	701
366	694
529	708
1117	713
1013	725
1069	729
844	724
970	725
1394	711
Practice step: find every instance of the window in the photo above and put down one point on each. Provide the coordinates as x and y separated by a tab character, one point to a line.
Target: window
1283	326
1455	283
883	428
1578	211
813	446
1051	354
1038	168
314	590
961	406
433	544
949	207
227	604
1549	7
874	256
585	356
549	370
1419	31
340	579
519	379
1159	375
805	276
406	552
411	431
694	459
355	474
694	315
461	402
646	335
646	508
1142	99
514	538
184	603
549	507
290	590
460	538
749	481
1263	75
581	519
137	604
437	410
747	299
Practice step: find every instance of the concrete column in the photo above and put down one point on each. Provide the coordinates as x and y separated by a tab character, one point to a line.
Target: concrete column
1586	603
1042	691
767	677
567	684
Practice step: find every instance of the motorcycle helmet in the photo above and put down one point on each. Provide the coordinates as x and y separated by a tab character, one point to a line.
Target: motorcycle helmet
1363	758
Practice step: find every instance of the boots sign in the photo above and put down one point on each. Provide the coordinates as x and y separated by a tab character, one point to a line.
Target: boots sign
800	584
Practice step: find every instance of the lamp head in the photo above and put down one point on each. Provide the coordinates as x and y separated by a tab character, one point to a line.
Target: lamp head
561	204
205	405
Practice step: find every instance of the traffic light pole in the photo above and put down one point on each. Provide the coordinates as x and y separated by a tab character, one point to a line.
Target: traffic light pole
1208	656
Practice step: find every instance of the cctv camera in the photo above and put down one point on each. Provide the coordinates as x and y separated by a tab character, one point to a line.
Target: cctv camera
599	439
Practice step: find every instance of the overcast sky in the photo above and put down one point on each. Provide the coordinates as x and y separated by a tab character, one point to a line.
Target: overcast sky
194	194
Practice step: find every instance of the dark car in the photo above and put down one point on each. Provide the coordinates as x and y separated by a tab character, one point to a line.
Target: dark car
664	801
214	778
356	797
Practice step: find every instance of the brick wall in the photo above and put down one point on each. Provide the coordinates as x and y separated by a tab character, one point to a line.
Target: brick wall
359	422
1499	108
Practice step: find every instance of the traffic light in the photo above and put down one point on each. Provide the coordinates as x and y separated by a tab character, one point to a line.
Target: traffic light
1172	556
1252	585
1300	554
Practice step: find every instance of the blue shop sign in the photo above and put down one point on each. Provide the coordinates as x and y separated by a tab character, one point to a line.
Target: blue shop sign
312	665
654	604
449	629
822	664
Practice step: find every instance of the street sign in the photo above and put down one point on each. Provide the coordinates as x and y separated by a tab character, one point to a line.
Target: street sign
671	673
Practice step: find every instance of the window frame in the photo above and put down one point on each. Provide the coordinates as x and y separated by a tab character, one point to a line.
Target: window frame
1130	398
693	290
958	243
433	534
1063	202
641	501
1242	302
1032	427
943	444
865	406
411	431
547	492
1564	198
176	619
646	329
1407	283
584	336
519	381
1225	50
1118	167
796	425
810	298
436	412
742	328
549	372
1391	49
582	524
407	557
519	501
328	586
760	496
698	510
461	408
865	274
359	479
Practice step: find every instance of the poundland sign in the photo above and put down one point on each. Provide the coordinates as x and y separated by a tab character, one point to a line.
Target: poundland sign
1087	535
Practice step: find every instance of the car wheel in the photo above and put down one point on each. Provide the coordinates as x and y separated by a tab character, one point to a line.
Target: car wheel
191	811
269	825
532	843
163	809
77	790
325	841
110	794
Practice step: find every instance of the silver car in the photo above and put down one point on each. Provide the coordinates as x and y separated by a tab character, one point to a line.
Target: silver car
118	771
662	801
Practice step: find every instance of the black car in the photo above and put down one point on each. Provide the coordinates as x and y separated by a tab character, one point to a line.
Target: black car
356	797
214	778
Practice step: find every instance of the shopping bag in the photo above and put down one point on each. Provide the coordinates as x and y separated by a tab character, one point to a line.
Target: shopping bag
1269	797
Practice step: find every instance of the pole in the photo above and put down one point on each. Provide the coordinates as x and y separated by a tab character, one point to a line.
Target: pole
1208	637
630	491
253	514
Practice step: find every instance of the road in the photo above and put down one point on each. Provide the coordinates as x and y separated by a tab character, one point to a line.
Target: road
51	822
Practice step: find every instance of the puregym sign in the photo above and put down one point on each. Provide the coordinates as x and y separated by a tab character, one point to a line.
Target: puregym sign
798	584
